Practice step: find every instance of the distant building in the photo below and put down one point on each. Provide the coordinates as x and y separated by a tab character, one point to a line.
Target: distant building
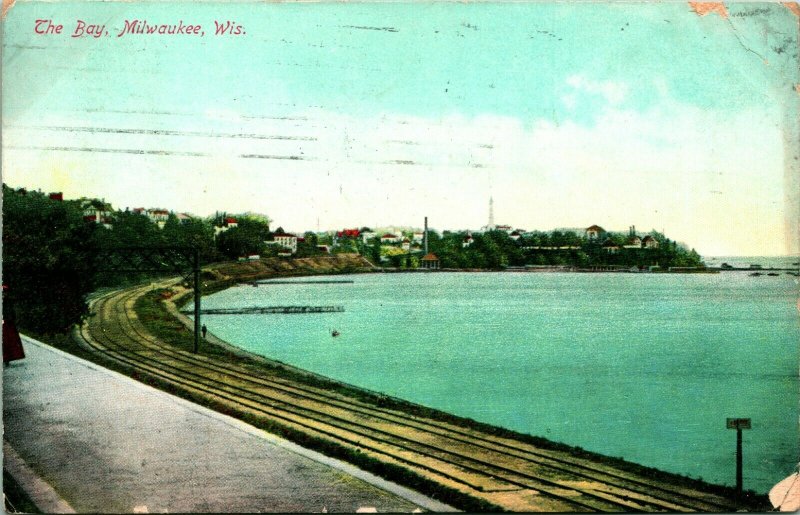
287	241
227	223
348	233
610	247
515	235
390	238
594	232
650	242
633	242
430	262
418	237
468	240
405	244
158	216
58	196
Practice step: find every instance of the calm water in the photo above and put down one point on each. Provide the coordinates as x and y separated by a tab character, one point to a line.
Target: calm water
643	366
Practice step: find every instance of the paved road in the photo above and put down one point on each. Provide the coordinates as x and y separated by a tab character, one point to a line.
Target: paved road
106	443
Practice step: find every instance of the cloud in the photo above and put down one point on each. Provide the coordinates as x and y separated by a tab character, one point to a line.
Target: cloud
614	92
711	179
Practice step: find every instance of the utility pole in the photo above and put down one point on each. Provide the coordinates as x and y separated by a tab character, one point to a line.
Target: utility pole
738	424
196	270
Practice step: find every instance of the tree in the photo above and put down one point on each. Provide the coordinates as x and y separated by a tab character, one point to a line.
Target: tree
238	241
47	249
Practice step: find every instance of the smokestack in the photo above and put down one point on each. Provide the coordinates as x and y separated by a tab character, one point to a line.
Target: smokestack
425	236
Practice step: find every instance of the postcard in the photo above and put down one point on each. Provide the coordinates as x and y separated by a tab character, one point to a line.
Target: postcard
400	256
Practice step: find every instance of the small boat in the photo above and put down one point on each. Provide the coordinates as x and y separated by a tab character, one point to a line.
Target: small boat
756	274
773	274
334	333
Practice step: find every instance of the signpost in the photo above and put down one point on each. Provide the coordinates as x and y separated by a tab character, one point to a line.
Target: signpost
738	424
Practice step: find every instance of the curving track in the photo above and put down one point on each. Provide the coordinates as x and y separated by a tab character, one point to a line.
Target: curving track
515	475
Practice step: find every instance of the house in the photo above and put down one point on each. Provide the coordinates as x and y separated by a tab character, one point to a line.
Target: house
287	241
594	232
633	242
390	238
183	217
367	235
58	196
505	228
430	262
468	240
227	223
348	233
610	247
158	216
417	237
406	244
649	242
515	235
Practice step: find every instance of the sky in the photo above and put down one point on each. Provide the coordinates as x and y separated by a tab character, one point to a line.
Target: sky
378	114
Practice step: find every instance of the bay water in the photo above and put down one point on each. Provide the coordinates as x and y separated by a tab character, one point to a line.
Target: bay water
641	366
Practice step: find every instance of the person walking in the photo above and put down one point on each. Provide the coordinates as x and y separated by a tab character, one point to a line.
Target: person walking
204	330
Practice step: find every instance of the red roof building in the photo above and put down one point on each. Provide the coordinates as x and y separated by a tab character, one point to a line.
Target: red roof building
57	196
430	261
348	233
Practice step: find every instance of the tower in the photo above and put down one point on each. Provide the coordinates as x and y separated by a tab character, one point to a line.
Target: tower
425	236
491	213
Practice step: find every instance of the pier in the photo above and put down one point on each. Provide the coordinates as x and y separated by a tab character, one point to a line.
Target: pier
282	310
332	281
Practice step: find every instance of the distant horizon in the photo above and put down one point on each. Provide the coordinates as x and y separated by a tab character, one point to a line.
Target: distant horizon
292	230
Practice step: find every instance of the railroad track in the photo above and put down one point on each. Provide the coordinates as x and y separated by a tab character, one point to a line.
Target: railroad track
512	474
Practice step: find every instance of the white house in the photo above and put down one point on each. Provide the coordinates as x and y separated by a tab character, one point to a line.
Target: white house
468	240
406	244
287	241
158	216
227	223
390	238
417	237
